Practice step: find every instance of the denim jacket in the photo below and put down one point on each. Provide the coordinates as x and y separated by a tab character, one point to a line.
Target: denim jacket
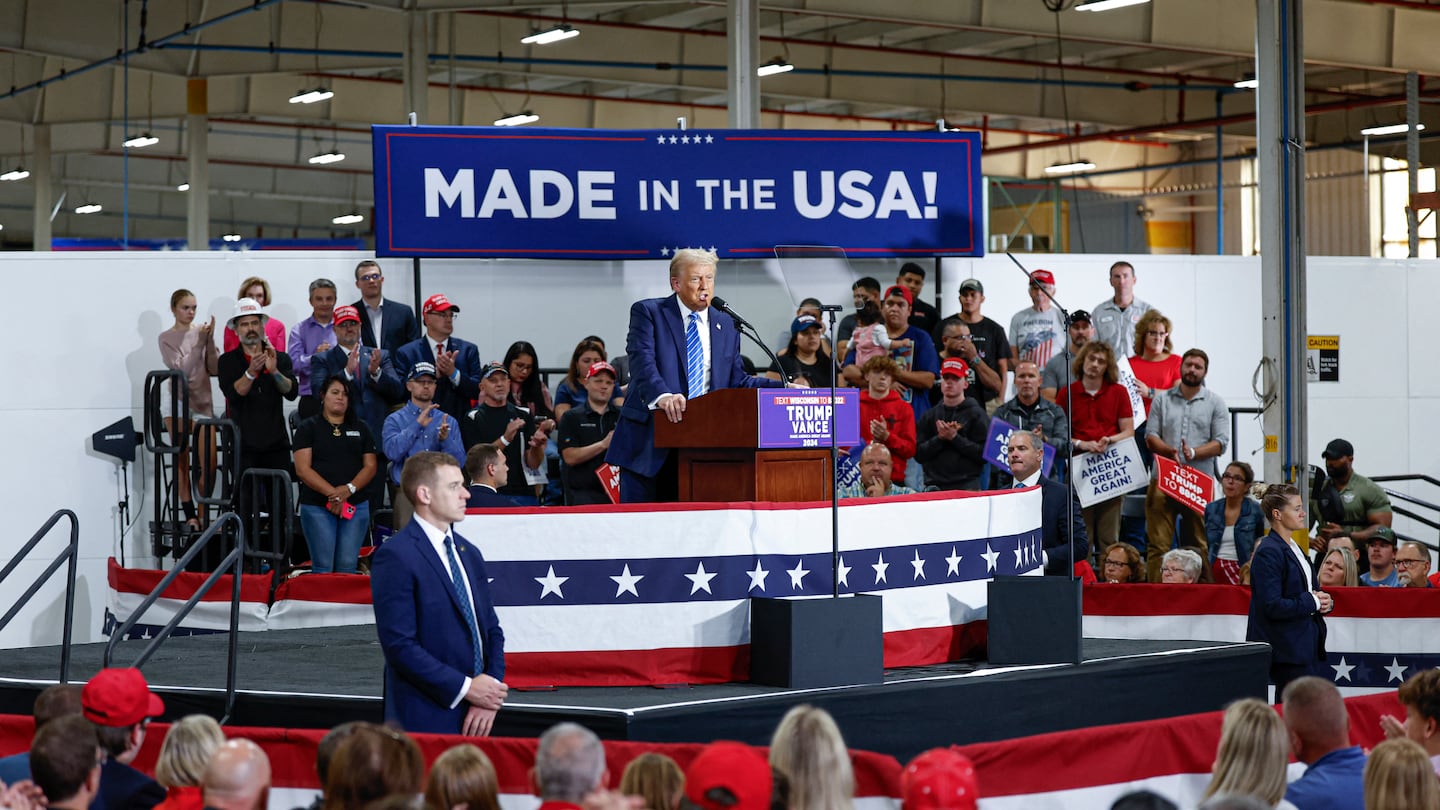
1248	528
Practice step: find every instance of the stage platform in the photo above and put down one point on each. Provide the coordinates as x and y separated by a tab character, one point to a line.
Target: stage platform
317	678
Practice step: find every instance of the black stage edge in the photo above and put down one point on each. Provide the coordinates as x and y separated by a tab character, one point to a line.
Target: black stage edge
321	677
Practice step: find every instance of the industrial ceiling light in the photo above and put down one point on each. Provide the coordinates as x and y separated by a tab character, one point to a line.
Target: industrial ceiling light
327	157
1391	129
141	141
1070	168
777	65
90	208
183	187
312	96
549	35
348	219
17	173
231	237
517	119
1249	83
1106	5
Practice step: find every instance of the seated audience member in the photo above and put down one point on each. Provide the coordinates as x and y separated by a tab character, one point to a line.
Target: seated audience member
1420	695
1181	566
1383	572
1254	749
939	779
325	753
809	308
1397	777
876	476
571	390
1237	802
1349	505
884	417
463	777
372	763
1121	564
1343	542
1233	523
1099	411
65	759
238	777
1059	510
419	426
982	382
527	389
1059	370
485	467
950	437
184	756
1413	560
569	765
808	749
1337	570
585	433
516	430
1319	731
55	702
732	776
258	289
312	336
119	702
805	360
657	779
1143	800
335	462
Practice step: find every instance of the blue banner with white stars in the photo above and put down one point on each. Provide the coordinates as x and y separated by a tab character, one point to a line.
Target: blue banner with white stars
497	192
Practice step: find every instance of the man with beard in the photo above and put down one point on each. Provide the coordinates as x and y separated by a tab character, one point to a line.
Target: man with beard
255	379
1056	373
1352	505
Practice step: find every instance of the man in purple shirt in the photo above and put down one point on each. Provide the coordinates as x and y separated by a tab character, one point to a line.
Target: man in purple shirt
312	336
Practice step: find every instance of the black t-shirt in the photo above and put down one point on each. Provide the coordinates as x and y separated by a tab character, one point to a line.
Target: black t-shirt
337	459
486	424
924	315
581	427
260	413
991	345
818	373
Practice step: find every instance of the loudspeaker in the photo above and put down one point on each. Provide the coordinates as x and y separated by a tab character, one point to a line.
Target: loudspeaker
809	643
117	440
1034	620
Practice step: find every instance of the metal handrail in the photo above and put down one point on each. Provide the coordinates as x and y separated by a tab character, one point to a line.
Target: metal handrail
179	410
232	563
69	555
255	483
227	472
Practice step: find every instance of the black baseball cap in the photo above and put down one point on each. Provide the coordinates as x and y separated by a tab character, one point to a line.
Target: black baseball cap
1338	448
1080	315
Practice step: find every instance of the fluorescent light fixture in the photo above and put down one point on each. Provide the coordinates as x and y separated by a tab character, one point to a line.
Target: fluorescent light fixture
517	119
550	35
17	173
1247	84
1106	5
348	219
141	141
231	237
1392	129
774	66
1070	168
90	208
183	187
327	157
312	96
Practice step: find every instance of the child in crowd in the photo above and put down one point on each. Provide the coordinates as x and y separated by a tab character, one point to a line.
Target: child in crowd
884	416
870	338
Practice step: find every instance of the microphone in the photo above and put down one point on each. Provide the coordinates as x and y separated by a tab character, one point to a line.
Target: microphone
725	308
741	325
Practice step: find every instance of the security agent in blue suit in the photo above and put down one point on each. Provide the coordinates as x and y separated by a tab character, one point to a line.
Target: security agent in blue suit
444	649
458	362
1286	611
1026	454
679	348
397	321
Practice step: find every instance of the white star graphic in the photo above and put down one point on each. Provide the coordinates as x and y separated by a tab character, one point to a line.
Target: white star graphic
625	582
919	566
990	556
880	565
1342	670
712	249
709	139
700	581
1019	555
757	576
664	251
660	139
684	139
551	584
1397	672
843	572
952	563
673	139
797	575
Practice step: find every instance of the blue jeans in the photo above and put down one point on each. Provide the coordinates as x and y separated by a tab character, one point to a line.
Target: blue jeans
334	541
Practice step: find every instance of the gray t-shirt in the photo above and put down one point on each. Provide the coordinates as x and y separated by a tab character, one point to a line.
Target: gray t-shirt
1116	326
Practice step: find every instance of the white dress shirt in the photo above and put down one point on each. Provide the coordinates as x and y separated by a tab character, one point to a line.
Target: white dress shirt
436	536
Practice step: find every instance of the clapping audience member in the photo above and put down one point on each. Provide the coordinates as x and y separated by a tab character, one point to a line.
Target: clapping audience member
805	360
1420	695
732	776
455	362
655	778
1181	566
884	417
238	777
66	761
1319	730
1233	524
1099	412
1337	570
1251	757
256	378
808	749
571	390
335	462
1121	564
939	779
312	336
184	756
950	437
120	704
258	290
585	433
372	763
190	348
1398	777
55	702
1413	560
420	426
463	777
499	420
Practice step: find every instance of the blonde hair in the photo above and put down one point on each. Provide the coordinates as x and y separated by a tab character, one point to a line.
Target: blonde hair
463	775
687	257
808	749
251	282
1399	776
656	778
1347	562
186	751
1253	751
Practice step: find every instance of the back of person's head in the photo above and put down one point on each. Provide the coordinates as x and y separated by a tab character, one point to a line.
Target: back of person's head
186	751
63	756
1422	694
657	778
478	458
1399	776
808	749
1315	717
463	775
1234	802
1143	800
868	314
56	702
238	777
372	763
732	776
569	763
1253	751
119	701
939	779
325	751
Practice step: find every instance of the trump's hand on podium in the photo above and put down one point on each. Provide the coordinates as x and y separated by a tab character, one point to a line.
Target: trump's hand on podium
478	722
673	405
486	692
798	384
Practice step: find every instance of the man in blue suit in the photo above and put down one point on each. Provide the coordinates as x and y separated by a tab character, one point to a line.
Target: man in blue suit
458	362
679	349
444	649
391	322
1058	506
1286	611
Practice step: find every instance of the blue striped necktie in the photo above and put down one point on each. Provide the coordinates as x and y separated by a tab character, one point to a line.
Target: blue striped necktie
694	357
465	606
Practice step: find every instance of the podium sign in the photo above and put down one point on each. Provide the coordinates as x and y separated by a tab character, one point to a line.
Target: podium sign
800	417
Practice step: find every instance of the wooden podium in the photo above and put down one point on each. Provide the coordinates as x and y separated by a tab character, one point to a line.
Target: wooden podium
719	459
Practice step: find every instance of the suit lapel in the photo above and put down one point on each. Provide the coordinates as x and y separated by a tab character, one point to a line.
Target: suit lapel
670	314
717	339
427	550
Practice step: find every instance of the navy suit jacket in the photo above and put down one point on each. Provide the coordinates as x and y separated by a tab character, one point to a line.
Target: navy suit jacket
124	788
397	319
427	645
1282	611
655	347
483	497
452	399
1054	536
371	399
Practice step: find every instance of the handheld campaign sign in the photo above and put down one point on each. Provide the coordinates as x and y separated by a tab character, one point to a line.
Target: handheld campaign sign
1192	488
997	448
1132	387
792	417
1102	476
643	194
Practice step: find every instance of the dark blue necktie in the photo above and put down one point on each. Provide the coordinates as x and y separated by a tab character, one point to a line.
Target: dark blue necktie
465	606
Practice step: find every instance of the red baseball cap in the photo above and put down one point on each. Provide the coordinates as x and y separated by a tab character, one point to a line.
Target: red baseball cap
437	303
599	366
955	367
1044	277
903	292
939	779
119	697
346	313
730	768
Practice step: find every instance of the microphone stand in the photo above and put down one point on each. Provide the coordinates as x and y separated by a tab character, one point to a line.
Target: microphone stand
745	328
829	310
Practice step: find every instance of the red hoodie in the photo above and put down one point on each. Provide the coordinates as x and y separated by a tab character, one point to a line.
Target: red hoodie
900	418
